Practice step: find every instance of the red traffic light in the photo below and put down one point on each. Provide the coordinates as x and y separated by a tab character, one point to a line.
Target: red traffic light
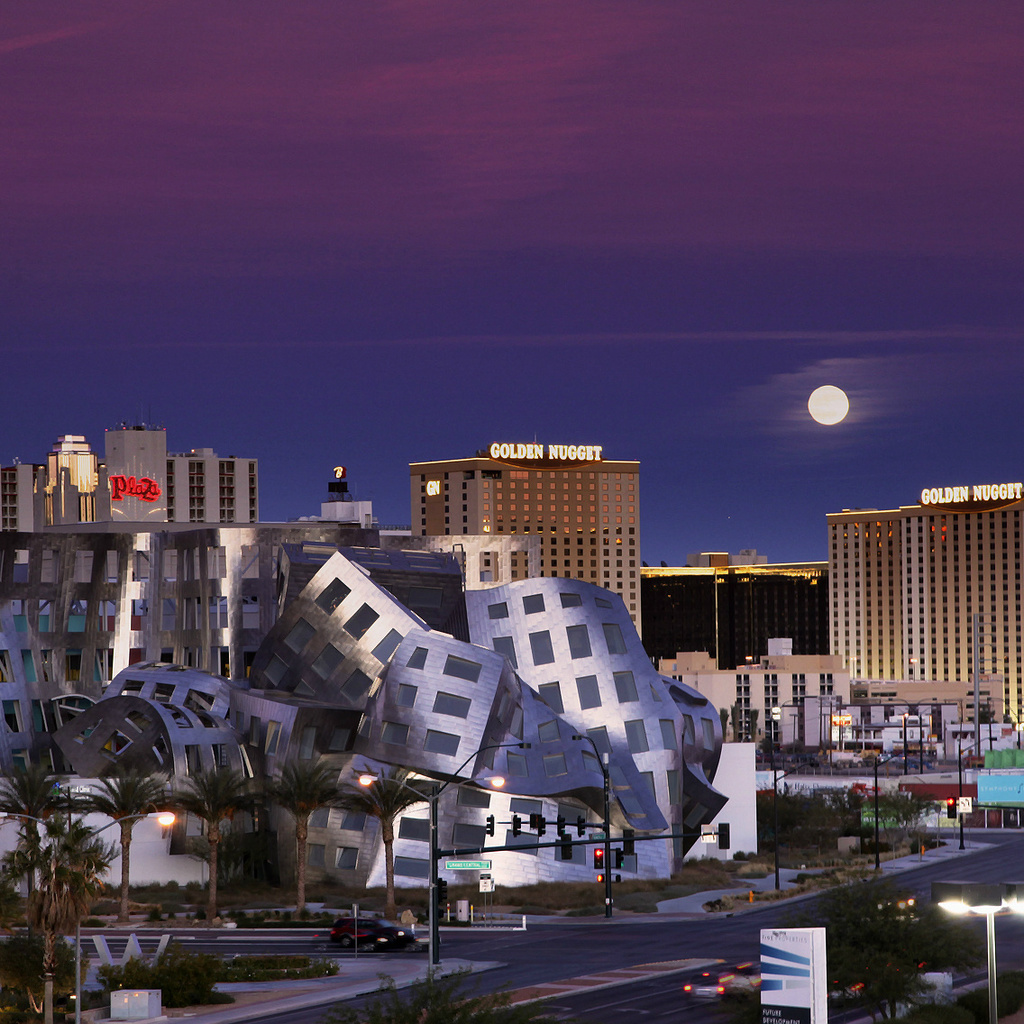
598	857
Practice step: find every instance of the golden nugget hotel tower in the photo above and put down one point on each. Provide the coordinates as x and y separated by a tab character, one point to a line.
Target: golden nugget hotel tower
584	508
907	585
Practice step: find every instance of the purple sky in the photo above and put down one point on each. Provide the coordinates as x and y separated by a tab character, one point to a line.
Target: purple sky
372	233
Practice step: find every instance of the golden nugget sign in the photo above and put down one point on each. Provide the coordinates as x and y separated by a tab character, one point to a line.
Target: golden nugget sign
553	452
978	494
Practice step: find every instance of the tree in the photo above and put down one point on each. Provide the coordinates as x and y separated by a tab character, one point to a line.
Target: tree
736	717
27	793
723	714
126	795
304	787
213	796
20	957
881	942
438	1000
70	862
752	715
384	799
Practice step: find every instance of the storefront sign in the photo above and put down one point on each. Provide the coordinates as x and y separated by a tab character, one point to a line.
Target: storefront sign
145	488
550	453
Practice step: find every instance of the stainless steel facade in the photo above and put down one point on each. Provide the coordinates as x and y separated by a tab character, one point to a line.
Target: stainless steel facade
359	655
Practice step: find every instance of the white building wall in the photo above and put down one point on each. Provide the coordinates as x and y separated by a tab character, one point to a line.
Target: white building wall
736	779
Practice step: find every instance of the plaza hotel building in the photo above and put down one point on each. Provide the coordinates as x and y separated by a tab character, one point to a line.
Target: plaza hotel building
583	509
910	585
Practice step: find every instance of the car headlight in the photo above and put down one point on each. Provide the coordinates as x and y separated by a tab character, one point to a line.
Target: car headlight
399	933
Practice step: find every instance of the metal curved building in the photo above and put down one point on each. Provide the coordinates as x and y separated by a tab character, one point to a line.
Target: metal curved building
376	656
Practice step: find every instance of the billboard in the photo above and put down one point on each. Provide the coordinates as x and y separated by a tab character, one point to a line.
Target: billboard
794	976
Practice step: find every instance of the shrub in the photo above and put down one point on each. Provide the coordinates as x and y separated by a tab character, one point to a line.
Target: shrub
187	979
274	968
437	1001
1009	996
154	914
940	1015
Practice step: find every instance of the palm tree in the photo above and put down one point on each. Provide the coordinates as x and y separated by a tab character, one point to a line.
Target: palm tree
126	795
71	862
385	799
29	793
213	796
304	787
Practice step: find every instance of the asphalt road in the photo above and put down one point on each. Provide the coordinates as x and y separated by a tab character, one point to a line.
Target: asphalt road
552	951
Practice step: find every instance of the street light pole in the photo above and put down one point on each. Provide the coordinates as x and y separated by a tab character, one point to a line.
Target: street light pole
878	761
960	787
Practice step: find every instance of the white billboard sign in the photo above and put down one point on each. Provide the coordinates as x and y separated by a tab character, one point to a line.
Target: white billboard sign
794	976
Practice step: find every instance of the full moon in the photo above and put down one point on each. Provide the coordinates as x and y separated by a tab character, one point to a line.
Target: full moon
828	405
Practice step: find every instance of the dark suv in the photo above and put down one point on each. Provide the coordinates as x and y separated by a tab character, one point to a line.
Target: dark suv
371	933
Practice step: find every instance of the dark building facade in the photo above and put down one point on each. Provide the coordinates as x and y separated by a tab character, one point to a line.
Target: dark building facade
732	611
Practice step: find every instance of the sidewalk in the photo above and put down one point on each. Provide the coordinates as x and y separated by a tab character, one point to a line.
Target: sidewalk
694	904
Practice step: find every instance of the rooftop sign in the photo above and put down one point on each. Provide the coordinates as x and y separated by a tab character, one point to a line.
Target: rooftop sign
145	488
546	453
977	496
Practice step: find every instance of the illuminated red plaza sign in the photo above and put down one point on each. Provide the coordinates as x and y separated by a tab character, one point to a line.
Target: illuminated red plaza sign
145	488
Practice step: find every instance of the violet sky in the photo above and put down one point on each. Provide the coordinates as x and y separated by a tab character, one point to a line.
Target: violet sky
378	232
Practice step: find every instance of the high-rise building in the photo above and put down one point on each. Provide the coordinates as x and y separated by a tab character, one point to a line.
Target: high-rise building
202	487
138	482
911	585
730	606
585	509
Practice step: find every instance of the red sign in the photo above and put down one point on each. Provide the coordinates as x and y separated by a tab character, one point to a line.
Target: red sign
145	488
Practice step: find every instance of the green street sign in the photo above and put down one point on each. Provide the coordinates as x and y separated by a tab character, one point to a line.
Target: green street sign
468	865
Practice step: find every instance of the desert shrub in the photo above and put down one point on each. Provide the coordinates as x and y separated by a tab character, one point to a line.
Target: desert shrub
274	968
186	979
1009	996
940	1015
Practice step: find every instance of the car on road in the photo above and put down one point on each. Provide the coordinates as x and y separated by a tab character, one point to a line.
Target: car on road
741	978
371	933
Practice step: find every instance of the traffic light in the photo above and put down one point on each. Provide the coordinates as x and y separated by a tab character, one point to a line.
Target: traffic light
490	824
581	825
538	824
598	858
560	825
517	825
628	846
723	835
442	895
566	848
619	858
951	807
600	877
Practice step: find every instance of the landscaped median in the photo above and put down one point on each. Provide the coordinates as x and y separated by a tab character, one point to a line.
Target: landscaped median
803	884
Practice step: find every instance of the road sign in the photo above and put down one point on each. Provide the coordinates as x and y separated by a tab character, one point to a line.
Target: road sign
468	865
964	805
487	885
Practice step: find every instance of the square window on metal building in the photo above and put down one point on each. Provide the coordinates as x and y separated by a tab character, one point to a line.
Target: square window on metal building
551	694
497	611
327	661
452	704
414	828
394	732
299	635
668	734
636	736
359	623
589	692
406	695
441	742
613	638
418	658
579	641
540	646
625	687
346	857
533	603
571	600
506	645
383	651
461	668
332	595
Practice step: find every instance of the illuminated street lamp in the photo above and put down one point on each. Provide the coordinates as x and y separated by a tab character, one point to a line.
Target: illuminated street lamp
988	899
431	797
